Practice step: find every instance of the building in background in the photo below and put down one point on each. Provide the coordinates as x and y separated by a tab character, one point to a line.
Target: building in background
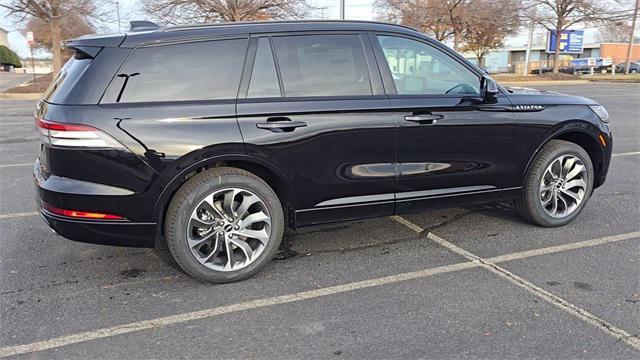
511	59
4	39
41	66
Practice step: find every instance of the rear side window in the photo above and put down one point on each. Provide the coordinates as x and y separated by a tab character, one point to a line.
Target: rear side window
322	65
264	79
66	79
180	72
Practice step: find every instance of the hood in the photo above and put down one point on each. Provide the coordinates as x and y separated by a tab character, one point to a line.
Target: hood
527	96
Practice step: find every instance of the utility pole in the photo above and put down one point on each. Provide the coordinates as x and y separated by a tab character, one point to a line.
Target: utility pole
342	9
633	27
118	14
527	55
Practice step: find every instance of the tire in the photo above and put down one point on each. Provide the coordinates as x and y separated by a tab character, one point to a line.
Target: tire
554	156
191	219
633	71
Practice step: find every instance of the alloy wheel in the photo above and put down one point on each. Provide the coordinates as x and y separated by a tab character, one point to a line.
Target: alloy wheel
563	186
229	229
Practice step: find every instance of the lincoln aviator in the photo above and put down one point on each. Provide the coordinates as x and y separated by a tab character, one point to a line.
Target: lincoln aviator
212	140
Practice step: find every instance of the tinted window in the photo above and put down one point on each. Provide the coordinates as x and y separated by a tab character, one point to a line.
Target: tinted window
264	79
192	71
418	68
65	79
322	65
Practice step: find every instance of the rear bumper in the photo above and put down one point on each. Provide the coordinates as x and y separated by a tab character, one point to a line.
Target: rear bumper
102	232
67	193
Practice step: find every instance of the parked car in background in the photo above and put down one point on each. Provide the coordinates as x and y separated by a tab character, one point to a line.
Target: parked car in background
542	70
634	67
275	125
585	65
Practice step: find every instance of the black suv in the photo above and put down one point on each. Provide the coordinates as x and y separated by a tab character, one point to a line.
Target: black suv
215	138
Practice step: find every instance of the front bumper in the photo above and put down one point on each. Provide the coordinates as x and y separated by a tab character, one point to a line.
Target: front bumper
65	193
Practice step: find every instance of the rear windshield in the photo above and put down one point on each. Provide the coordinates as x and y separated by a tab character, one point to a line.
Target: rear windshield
66	79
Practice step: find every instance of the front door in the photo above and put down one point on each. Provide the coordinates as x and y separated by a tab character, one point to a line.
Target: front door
313	108
452	147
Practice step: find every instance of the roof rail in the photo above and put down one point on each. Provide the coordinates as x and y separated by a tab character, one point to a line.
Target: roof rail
273	22
142	25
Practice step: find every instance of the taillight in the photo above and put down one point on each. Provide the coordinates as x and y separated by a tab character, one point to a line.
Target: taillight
81	214
73	135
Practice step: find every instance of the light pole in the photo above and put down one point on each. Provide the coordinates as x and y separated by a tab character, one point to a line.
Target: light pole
633	27
342	9
118	14
527	56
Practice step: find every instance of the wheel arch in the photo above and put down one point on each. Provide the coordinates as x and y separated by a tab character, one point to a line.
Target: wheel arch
275	178
581	133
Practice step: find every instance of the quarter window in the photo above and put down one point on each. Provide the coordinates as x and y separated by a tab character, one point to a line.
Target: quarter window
192	71
322	65
264	79
419	69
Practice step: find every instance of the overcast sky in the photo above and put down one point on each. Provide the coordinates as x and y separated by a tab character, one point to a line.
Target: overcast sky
329	9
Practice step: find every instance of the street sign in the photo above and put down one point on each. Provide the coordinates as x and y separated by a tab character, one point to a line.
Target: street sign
571	41
30	40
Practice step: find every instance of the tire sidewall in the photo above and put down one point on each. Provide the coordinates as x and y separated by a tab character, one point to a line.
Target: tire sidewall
190	198
532	190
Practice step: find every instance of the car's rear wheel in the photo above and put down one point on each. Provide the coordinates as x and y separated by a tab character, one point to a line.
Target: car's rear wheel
224	225
557	186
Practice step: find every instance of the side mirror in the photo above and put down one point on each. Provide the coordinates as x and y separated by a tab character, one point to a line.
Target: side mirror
489	89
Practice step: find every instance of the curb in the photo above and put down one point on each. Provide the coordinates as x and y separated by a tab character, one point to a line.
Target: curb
544	82
621	81
20	96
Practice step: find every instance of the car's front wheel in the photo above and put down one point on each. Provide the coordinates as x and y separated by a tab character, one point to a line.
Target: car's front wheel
223	225
558	184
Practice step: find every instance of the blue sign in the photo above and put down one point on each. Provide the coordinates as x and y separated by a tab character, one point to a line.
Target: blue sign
570	41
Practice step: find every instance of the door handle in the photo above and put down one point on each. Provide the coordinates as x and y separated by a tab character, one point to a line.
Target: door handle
280	124
425	119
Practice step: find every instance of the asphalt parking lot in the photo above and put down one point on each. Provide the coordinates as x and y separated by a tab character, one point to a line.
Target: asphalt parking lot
459	283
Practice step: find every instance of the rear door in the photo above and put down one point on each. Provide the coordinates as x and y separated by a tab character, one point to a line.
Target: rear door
452	147
313	106
174	102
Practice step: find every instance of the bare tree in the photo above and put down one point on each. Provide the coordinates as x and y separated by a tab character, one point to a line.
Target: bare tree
617	32
52	13
428	16
194	11
441	18
560	15
488	23
71	26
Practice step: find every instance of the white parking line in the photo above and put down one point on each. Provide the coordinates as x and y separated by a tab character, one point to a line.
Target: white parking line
16	215
15	165
290	298
626	154
555	300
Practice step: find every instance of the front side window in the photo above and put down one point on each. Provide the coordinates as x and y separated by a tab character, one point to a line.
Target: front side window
322	65
192	71
420	69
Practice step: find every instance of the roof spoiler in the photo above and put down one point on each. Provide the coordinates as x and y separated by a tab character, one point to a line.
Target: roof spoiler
143	25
